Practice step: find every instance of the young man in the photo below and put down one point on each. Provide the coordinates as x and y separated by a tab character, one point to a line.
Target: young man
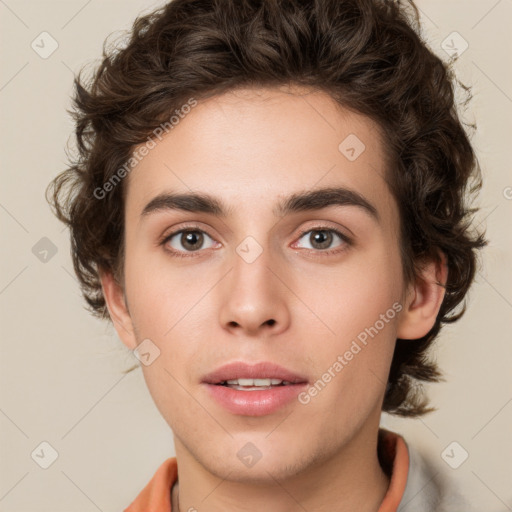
269	205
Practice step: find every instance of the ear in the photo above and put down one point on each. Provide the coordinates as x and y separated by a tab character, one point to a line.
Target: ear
118	309
424	299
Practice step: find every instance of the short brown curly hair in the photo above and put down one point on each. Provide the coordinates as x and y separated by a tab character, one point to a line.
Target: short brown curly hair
370	57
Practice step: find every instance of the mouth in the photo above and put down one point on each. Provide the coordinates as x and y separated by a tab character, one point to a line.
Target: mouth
253	390
254	384
248	376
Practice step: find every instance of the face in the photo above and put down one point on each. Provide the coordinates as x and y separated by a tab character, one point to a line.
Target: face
313	285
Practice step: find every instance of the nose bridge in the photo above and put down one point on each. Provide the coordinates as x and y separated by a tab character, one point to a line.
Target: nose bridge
253	295
255	251
251	265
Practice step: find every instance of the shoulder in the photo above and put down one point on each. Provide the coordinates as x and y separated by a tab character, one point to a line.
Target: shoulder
430	486
156	495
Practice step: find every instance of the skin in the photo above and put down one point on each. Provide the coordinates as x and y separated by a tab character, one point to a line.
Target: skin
251	148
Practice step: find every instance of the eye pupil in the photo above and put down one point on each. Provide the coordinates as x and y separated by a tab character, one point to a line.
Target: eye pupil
191	239
323	238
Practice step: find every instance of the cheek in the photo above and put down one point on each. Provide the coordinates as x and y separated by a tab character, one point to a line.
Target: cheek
166	308
169	305
360	304
161	292
349	297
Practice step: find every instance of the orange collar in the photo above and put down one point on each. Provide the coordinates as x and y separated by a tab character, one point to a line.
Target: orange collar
393	456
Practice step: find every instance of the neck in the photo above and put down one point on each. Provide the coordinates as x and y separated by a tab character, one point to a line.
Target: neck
351	479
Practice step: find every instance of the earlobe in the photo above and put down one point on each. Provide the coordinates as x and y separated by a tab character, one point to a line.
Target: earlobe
119	314
424	300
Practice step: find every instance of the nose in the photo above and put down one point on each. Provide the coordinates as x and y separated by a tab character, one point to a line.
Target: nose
254	298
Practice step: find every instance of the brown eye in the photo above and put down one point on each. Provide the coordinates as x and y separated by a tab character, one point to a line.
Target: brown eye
187	240
321	239
191	240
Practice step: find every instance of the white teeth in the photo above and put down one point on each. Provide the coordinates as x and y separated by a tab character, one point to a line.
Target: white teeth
255	382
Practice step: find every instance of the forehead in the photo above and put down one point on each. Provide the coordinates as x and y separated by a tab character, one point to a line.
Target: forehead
254	147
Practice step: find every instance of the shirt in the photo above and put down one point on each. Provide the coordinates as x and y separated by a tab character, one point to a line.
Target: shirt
411	487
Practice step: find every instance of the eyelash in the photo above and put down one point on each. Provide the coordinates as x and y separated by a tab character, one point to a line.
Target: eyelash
192	228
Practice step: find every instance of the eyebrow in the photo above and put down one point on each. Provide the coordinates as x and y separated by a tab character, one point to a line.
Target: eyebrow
311	200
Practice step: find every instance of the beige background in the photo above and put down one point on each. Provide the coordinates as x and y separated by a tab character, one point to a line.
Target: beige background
61	379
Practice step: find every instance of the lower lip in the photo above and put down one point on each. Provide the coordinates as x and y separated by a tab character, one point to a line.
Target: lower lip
254	403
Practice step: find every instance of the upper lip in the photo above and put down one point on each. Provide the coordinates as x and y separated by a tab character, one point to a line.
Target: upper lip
241	370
